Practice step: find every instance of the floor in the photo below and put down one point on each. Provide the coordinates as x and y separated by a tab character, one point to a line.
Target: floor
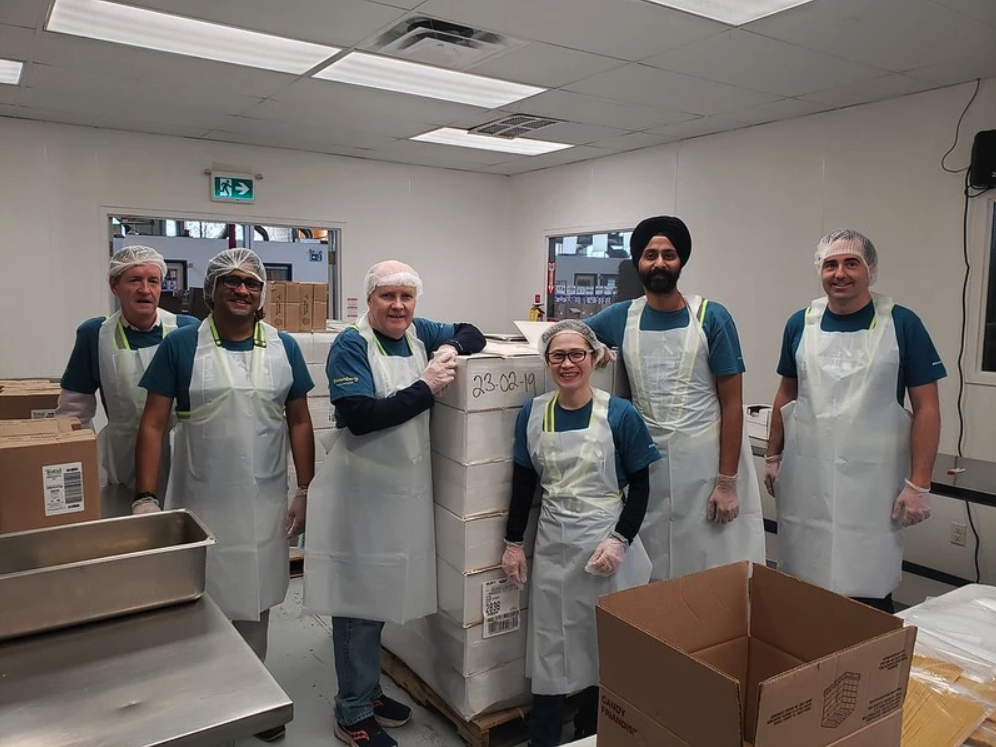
300	658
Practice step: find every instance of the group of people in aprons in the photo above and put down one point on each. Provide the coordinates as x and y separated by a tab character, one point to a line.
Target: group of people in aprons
632	491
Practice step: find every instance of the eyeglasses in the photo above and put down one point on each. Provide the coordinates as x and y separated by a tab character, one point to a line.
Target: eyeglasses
559	356
234	281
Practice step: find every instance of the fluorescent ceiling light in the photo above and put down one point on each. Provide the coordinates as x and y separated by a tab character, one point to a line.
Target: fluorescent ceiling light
733	12
386	73
148	29
10	72
520	145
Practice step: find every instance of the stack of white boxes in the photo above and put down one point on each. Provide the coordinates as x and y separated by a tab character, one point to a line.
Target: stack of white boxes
472	653
315	348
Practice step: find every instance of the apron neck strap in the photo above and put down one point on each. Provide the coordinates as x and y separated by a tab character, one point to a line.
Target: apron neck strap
550	414
258	338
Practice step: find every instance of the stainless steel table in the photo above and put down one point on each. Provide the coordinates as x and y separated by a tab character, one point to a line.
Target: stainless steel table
179	676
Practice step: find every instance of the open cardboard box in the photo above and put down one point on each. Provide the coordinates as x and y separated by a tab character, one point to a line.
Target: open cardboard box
724	658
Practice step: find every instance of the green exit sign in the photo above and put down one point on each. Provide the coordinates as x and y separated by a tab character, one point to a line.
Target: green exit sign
233	188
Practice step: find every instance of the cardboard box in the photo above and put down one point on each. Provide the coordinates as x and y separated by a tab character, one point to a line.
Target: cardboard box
473	437
321	413
504	686
320	316
292	292
474	544
472	490
719	659
304	339
492	380
465	650
276	292
307	291
49	470
317	371
460	596
28	399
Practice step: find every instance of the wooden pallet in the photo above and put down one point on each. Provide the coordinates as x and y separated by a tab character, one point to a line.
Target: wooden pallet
296	562
501	729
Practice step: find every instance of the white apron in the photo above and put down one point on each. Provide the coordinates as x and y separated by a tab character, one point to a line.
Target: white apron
674	390
580	508
230	467
121	368
847	452
370	551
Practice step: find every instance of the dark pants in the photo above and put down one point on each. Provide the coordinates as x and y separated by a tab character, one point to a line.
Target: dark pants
546	720
885	603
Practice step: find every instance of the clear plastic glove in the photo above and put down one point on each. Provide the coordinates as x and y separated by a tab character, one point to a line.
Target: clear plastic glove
513	562
296	513
145	506
609	357
607	558
771	466
912	505
448	352
724	506
440	372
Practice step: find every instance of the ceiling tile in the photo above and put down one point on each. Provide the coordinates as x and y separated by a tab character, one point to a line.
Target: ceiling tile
286	142
696	128
97	119
310	133
11	94
776	111
878	89
282	113
740	58
593	110
26	13
576	134
545	65
632	141
117	60
644	28
895	35
639	84
16	42
197	93
431	154
409	4
980	10
958	71
523	164
342	23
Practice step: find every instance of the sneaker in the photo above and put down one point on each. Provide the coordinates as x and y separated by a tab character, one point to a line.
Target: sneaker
272	735
390	712
365	733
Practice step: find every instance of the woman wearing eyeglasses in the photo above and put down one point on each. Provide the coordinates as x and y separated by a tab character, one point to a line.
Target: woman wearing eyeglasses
583	446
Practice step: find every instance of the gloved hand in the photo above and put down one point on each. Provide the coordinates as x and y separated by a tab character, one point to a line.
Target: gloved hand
440	371
912	505
724	506
145	505
296	512
513	562
771	466
446	351
609	357
607	558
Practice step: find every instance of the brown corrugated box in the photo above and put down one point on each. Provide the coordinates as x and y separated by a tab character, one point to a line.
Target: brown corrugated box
26	399
723	659
48	474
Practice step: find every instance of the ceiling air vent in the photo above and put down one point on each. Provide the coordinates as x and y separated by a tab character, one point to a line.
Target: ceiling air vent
436	42
516	125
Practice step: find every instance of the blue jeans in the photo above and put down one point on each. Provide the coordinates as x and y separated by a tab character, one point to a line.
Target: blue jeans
356	653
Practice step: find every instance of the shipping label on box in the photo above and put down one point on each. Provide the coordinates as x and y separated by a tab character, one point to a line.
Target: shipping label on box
459	594
473	437
502	600
491	382
63	487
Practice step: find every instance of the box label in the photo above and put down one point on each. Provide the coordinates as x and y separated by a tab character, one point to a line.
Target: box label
40	414
63	485
502	602
481	385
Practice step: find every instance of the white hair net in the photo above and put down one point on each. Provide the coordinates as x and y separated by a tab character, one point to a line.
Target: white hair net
576	326
228	261
847	241
135	256
389	273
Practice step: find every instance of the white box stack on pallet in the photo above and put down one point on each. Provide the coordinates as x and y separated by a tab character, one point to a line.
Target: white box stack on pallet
315	349
472	653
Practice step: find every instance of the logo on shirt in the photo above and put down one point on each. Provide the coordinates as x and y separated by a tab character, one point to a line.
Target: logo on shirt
344	380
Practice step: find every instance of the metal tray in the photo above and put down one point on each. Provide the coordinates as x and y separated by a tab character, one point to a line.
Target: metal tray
67	575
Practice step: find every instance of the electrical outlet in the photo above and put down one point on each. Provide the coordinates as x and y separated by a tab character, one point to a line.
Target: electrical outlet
958	534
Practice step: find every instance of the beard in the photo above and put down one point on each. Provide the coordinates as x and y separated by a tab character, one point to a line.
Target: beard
660	281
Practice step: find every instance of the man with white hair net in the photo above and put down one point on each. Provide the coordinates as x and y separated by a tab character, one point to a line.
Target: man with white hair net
240	388
685	369
847	464
584	447
110	355
371	542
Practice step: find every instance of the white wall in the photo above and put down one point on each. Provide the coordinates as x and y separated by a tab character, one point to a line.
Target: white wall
59	183
758	200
